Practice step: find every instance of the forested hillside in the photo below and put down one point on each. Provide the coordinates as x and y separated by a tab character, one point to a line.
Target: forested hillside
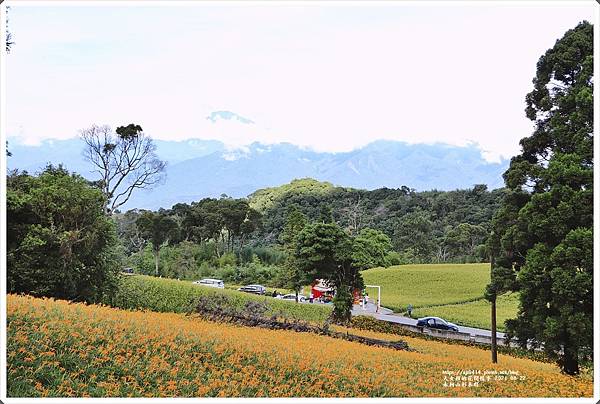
241	240
430	226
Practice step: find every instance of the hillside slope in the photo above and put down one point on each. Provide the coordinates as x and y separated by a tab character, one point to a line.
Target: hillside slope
60	349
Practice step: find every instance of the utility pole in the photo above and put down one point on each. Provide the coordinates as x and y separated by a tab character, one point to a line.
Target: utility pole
494	342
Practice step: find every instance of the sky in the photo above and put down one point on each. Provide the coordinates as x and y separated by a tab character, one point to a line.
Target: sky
328	76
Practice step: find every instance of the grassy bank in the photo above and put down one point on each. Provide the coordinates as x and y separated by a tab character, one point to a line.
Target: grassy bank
169	295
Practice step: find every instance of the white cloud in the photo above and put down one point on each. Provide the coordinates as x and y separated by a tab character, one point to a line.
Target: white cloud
331	77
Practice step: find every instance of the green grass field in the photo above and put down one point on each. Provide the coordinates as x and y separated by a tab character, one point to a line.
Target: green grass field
140	292
428	284
475	314
451	291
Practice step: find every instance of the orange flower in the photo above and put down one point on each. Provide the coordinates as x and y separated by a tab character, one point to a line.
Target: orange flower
130	353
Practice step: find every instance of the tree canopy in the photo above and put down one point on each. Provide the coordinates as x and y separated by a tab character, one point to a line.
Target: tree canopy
325	251
542	234
59	242
371	249
429	226
158	228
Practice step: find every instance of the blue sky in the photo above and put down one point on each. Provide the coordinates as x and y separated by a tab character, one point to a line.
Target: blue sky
330	76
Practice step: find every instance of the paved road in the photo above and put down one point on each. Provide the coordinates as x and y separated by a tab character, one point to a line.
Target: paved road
387	315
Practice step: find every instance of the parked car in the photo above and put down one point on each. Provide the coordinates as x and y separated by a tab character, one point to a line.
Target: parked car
127	271
213	283
292	296
256	289
437	323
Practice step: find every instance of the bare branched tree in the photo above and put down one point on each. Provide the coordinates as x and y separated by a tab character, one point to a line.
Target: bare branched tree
125	160
354	214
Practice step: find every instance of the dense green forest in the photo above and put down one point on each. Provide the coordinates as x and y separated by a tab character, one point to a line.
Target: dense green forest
240	240
430	226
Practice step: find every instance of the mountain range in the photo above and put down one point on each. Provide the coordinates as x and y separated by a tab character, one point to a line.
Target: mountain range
200	168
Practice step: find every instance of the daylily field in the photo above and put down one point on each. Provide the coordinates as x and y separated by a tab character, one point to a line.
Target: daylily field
61	349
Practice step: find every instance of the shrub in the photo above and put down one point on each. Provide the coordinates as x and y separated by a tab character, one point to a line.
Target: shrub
60	243
226	260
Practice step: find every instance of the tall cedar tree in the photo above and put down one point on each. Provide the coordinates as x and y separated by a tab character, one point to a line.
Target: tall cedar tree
542	241
324	250
292	277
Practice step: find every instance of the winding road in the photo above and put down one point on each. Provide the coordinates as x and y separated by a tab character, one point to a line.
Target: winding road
387	315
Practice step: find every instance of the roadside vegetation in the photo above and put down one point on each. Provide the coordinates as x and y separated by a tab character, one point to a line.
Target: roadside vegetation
140	292
454	292
475	313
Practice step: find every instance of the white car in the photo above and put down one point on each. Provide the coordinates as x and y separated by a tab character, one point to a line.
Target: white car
256	289
213	283
292	296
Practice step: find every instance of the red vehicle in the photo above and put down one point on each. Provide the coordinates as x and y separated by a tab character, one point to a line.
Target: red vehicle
320	290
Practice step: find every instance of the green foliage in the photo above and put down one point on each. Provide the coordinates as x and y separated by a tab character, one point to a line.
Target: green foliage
325	251
143	262
264	199
542	235
189	261
158	228
468	238
416	222
292	276
412	233
226	260
128	132
396	258
140	292
266	255
225	221
59	242
371	249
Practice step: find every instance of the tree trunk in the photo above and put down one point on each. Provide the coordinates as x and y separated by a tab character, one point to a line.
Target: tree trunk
156	252
217	248
494	342
569	362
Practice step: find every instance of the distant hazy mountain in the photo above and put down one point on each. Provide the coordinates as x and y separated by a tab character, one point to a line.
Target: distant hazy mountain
200	168
69	152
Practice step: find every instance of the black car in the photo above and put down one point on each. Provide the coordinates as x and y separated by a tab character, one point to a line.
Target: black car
437	323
